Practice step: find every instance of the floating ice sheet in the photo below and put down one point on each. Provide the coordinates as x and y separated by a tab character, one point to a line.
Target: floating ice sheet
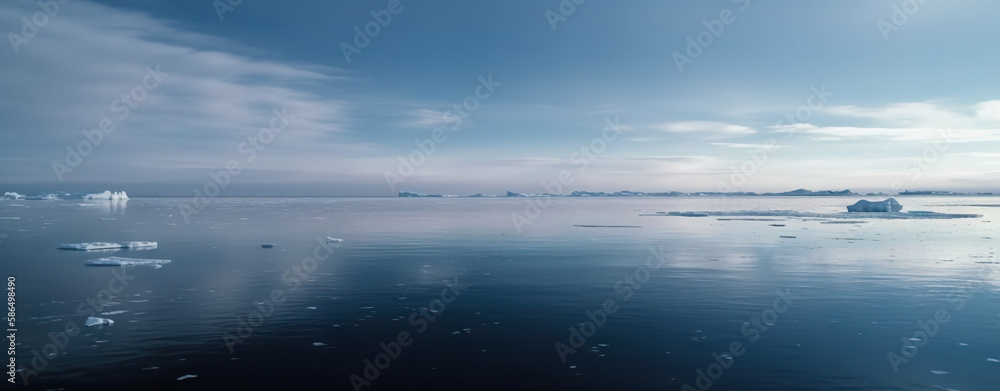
122	261
98	322
107	246
846	215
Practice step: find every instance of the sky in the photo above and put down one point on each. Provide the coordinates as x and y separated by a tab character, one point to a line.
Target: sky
274	98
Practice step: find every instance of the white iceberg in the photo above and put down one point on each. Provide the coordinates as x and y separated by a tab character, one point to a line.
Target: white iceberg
107	195
10	195
122	261
99	322
141	245
330	239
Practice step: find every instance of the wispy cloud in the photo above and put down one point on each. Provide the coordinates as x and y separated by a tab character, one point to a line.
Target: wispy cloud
705	128
747	146
843	133
216	96
424	118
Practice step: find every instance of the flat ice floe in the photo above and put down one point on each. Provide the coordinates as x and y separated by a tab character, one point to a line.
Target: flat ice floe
107	246
122	261
846	215
98	322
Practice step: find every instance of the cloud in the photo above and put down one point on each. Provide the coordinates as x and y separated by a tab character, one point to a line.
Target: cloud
424	118
924	115
989	110
844	133
976	154
217	94
708	128
747	146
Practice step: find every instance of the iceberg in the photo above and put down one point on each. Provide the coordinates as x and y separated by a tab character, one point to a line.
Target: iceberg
122	261
889	205
330	239
107	195
99	322
10	195
108	246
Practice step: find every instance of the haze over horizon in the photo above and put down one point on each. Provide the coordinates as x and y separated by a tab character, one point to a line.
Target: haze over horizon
789	95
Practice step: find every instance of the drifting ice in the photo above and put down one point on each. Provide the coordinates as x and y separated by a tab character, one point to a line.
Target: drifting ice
107	246
99	322
107	195
846	215
10	195
122	261
332	239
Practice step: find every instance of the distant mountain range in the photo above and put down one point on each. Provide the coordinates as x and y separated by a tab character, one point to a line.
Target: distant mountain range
626	193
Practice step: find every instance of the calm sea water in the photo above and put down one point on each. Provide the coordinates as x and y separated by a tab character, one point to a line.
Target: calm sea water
855	311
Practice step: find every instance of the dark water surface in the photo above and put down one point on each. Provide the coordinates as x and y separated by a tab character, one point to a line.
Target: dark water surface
851	295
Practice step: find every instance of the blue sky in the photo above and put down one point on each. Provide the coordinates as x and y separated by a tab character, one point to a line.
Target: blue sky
889	95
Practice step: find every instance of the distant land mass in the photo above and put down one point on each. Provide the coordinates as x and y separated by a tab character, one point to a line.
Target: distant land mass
626	193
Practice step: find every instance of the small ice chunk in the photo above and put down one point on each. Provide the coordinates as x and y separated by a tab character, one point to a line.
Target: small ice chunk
114	312
122	261
267	245
318	344
330	239
99	322
940	372
992	360
185	377
310	308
